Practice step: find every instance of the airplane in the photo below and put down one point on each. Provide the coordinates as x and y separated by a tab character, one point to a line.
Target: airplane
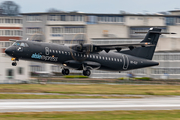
87	57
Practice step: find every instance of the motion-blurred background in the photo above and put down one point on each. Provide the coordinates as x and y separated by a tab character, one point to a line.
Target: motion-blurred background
62	27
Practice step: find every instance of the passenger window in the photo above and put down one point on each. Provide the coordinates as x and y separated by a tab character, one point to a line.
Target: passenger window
62	52
53	51
118	60
109	58
96	57
59	51
50	50
56	51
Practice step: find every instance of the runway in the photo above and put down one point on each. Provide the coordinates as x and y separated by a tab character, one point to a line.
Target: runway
39	105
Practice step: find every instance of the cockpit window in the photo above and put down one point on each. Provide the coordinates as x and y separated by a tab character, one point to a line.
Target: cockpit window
22	44
26	45
16	44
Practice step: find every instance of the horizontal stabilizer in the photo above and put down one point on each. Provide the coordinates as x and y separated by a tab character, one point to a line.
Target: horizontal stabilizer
156	32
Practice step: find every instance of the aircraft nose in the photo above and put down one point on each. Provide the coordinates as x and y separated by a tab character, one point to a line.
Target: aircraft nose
8	51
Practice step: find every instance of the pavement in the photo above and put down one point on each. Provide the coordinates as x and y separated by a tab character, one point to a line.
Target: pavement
40	105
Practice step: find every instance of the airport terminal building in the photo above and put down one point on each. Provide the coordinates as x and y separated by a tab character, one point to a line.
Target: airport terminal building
72	27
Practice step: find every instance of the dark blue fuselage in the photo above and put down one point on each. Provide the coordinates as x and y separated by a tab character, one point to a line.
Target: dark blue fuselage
61	54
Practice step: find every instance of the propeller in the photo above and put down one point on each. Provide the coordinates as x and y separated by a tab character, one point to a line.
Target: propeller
80	52
39	35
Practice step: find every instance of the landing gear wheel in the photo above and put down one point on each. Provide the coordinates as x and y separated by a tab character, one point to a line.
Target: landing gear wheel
65	71
86	72
14	63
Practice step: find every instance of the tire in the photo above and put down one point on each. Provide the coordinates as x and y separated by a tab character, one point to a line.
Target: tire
14	63
63	71
66	71
86	72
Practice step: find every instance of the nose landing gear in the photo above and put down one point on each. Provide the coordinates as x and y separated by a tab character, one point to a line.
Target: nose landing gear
14	63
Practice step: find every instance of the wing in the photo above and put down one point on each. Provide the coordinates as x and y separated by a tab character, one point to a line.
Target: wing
97	48
118	47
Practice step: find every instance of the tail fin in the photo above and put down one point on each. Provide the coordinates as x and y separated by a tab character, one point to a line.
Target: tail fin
146	52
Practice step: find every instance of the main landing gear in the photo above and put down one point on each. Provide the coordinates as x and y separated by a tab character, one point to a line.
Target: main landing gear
86	72
65	71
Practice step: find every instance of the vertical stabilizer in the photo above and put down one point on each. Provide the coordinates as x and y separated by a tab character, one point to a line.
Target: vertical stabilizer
146	52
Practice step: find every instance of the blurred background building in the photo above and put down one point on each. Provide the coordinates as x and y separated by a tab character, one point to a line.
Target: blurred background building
73	27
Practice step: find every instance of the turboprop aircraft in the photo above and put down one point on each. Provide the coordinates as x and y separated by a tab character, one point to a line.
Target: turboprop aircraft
87	57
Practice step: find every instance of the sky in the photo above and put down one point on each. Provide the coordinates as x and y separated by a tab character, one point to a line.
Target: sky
98	6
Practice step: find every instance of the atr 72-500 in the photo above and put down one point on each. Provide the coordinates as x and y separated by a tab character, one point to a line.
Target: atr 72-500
87	57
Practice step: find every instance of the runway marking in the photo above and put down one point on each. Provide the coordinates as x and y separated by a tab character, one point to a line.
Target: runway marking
86	106
155	103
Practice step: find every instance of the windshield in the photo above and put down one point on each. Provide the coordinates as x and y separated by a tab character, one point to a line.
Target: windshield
20	44
13	43
16	44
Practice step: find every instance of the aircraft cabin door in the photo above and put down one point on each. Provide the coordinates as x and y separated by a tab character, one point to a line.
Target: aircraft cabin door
125	62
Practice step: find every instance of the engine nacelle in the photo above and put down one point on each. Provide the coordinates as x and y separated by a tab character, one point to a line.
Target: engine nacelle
86	48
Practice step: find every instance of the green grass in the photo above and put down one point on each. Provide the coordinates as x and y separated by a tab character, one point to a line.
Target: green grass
93	89
94	115
31	96
75	76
